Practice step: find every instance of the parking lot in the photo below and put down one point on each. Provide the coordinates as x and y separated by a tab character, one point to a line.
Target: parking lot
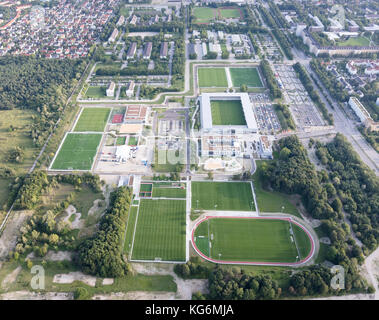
265	114
303	110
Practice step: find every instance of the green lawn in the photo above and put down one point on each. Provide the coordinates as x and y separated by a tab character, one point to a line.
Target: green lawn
248	240
227	112
203	14
247	76
168	192
271	201
161	231
96	92
120	141
77	152
226	196
354	42
130	229
15	131
133	141
212	77
92	119
229	13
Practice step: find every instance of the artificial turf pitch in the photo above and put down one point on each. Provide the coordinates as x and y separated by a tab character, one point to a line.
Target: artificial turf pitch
227	112
245	76
161	231
77	152
223	196
250	240
92	119
212	77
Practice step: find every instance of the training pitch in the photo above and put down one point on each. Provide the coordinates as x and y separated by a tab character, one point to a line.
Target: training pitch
212	77
245	76
77	152
252	240
223	196
161	231
227	112
92	119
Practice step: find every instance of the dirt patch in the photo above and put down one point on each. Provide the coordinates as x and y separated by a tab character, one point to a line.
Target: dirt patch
58	256
108	281
11	231
11	277
74	276
95	206
77	223
27	295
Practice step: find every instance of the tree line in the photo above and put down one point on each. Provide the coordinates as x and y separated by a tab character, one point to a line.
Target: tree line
101	255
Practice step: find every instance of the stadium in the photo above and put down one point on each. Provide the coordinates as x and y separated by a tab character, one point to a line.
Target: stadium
220	111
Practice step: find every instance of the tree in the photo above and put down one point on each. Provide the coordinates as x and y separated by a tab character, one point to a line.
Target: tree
210	175
81	293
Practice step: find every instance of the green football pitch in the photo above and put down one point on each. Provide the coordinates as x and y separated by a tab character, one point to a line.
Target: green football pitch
212	77
203	15
227	112
354	42
92	119
167	191
227	196
77	152
251	240
247	76
227	13
161	231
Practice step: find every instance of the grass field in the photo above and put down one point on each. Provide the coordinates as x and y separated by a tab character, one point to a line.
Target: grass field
133	141
92	119
227	112
250	240
130	229
227	13
226	196
212	77
354	42
271	201
161	231
15	126
120	141
168	192
96	93
77	152
204	15
247	76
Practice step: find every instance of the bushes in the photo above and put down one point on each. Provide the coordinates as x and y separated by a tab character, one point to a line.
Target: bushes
284	116
30	192
236	285
192	270
81	293
102	254
270	79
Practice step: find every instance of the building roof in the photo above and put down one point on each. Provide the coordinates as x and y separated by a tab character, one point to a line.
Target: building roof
164	49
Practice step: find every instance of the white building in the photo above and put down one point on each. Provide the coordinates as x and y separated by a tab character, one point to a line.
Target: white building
111	88
113	36
215	48
130	89
204	48
359	109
